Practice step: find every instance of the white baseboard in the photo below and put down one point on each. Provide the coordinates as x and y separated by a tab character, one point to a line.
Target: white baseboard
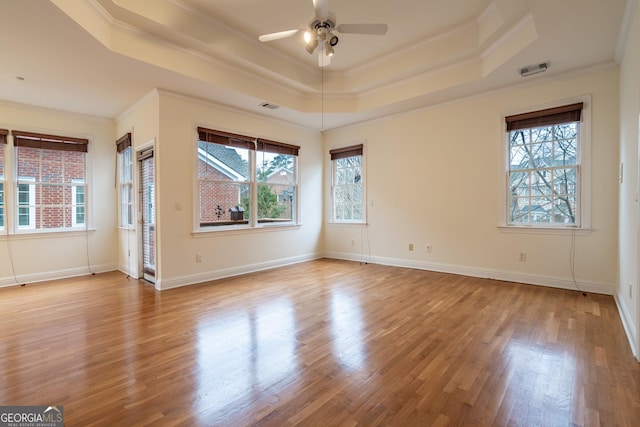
55	275
208	276
628	325
508	276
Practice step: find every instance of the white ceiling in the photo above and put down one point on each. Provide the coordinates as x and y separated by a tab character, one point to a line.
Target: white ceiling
100	56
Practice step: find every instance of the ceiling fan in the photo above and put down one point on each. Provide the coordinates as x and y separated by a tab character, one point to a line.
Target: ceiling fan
322	32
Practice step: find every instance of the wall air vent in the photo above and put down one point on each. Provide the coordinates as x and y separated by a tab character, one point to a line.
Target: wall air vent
269	106
534	69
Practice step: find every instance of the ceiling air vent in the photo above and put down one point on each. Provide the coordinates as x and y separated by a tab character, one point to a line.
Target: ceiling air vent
534	69
269	106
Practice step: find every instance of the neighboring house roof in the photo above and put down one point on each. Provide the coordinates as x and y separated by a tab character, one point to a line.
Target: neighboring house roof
280	171
224	159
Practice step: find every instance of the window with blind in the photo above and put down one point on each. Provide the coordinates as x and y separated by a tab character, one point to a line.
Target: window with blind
277	182
125	180
347	184
544	176
245	181
3	142
51	181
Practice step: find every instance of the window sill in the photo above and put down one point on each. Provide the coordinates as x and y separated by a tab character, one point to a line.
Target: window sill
554	231
347	224
244	230
37	234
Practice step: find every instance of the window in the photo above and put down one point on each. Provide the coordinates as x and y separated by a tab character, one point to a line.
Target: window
125	179
277	187
51	189
237	172
347	184
544	167
3	142
77	204
26	203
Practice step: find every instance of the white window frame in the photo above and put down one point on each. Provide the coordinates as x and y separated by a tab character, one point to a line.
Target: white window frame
33	203
253	223
363	181
583	167
295	197
3	188
74	203
126	185
31	206
251	183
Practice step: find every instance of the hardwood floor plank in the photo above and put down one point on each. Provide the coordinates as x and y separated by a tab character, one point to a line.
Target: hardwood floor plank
320	343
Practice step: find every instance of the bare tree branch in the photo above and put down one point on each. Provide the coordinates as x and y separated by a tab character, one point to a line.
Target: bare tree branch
539	173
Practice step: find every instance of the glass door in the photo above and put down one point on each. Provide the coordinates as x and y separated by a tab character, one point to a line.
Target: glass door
147	213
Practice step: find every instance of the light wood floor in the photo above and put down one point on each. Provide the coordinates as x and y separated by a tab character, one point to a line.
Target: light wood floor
320	343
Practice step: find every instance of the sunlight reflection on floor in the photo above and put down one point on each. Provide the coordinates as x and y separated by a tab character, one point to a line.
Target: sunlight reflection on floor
256	348
347	329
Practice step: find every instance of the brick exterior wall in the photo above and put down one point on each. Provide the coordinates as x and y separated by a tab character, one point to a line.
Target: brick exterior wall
52	170
225	195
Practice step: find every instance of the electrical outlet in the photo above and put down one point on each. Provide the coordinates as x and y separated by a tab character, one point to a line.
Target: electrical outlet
198	258
410	247
523	256
428	248
630	291
353	242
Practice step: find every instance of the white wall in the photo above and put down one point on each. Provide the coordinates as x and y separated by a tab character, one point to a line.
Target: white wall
45	256
223	253
434	177
627	298
141	120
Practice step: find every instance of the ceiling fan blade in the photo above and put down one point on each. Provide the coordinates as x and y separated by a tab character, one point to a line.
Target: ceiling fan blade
371	29
277	36
321	7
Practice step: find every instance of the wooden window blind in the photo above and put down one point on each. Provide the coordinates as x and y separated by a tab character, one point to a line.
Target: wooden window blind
277	147
341	153
49	142
546	117
123	142
226	138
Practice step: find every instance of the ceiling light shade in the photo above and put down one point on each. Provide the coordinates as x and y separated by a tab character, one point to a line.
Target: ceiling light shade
311	46
333	40
328	48
307	37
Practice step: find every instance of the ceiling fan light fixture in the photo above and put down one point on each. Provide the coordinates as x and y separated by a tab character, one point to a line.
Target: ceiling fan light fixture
311	46
307	37
323	30
328	48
